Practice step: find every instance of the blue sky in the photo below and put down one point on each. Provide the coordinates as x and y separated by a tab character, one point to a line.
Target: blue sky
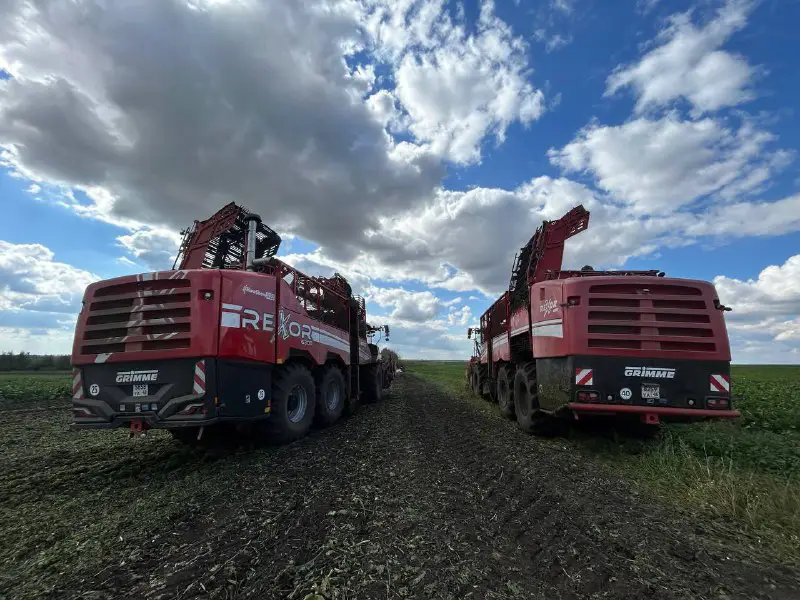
411	146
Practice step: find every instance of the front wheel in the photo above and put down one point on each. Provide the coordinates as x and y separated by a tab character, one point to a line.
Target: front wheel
292	408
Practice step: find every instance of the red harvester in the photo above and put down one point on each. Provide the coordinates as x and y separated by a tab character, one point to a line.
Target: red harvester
613	343
232	339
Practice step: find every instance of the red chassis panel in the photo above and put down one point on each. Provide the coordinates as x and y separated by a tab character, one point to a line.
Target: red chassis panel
202	312
548	324
247	318
149	316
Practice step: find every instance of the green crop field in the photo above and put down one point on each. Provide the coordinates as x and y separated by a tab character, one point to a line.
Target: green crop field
744	473
28	388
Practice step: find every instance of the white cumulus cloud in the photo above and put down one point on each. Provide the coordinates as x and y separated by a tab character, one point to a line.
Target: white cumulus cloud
688	63
666	163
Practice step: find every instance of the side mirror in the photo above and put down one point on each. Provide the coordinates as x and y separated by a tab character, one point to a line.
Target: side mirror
719	306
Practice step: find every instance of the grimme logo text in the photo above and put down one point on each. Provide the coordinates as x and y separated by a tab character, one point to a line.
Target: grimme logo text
137	376
657	372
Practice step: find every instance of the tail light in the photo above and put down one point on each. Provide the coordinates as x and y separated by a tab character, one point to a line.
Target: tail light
719	403
588	397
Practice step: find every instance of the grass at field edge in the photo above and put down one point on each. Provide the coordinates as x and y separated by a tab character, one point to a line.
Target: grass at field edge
743	476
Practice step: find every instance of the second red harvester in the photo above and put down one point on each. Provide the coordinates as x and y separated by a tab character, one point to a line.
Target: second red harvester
623	344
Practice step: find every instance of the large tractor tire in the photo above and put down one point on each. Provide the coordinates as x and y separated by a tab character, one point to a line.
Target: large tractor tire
526	403
293	404
505	391
372	383
331	396
474	381
482	384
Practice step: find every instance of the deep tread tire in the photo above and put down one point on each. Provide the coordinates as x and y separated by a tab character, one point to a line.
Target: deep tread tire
279	428
332	377
526	402
491	391
505	392
484	385
372	383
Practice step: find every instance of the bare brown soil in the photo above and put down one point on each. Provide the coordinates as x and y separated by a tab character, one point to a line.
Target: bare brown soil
421	496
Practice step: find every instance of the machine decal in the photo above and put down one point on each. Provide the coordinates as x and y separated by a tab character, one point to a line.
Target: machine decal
626	393
94	389
551	328
655	372
548	307
288	328
329	339
266	295
584	376
236	316
137	376
720	383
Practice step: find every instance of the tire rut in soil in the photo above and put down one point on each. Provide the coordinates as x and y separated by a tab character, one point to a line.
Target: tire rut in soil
423	496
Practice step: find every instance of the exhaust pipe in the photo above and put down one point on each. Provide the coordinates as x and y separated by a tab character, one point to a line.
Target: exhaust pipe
252	221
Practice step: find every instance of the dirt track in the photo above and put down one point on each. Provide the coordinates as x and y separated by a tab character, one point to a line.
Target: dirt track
424	497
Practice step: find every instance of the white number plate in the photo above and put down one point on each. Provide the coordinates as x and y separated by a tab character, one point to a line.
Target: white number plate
651	392
141	390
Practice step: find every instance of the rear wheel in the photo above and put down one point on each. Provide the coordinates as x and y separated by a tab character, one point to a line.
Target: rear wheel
505	392
292	409
331	396
372	383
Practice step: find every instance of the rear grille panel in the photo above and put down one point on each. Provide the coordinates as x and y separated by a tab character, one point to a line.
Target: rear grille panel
649	317
138	316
